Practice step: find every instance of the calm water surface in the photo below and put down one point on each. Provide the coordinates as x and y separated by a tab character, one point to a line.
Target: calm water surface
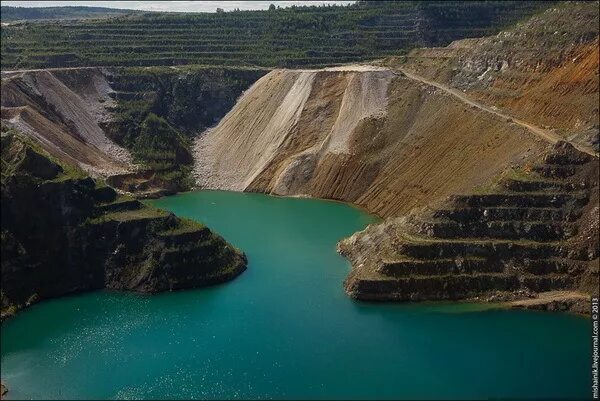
285	329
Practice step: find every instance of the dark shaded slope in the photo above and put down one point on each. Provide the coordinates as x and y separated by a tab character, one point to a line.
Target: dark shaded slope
535	231
63	232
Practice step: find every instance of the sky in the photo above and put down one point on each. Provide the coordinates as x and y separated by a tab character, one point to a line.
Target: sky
179	6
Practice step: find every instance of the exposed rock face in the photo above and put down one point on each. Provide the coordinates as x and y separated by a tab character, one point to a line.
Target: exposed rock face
545	70
63	232
62	110
361	134
536	231
94	118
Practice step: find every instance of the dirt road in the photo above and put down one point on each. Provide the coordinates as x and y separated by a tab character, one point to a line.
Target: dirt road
545	134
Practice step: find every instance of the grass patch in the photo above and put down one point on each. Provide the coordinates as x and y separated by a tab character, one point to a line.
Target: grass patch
130	215
184	226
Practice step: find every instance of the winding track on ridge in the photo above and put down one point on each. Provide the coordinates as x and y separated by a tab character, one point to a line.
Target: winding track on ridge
546	135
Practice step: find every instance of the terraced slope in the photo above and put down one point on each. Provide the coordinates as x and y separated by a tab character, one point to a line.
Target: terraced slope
63	232
300	36
537	231
368	133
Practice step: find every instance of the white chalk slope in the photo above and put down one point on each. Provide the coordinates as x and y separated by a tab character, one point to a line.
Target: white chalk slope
234	153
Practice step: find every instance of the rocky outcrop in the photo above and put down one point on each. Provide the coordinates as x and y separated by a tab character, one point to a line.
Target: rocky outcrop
544	70
63	232
535	231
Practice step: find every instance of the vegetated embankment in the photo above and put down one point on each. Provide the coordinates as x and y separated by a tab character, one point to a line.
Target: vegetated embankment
283	37
63	232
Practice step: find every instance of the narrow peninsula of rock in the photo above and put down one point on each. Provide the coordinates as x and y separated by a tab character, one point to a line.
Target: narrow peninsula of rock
64	232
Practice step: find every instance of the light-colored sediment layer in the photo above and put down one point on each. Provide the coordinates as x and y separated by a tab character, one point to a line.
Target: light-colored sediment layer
550	296
62	109
573	301
265	113
361	134
266	119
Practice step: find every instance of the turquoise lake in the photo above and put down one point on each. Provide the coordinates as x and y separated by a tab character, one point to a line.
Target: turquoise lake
285	328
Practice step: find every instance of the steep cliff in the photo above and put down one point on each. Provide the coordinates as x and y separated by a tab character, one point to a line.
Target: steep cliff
544	70
133	124
362	134
62	110
534	231
63	232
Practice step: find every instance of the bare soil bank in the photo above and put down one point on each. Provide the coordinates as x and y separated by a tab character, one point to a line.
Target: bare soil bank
364	135
62	110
